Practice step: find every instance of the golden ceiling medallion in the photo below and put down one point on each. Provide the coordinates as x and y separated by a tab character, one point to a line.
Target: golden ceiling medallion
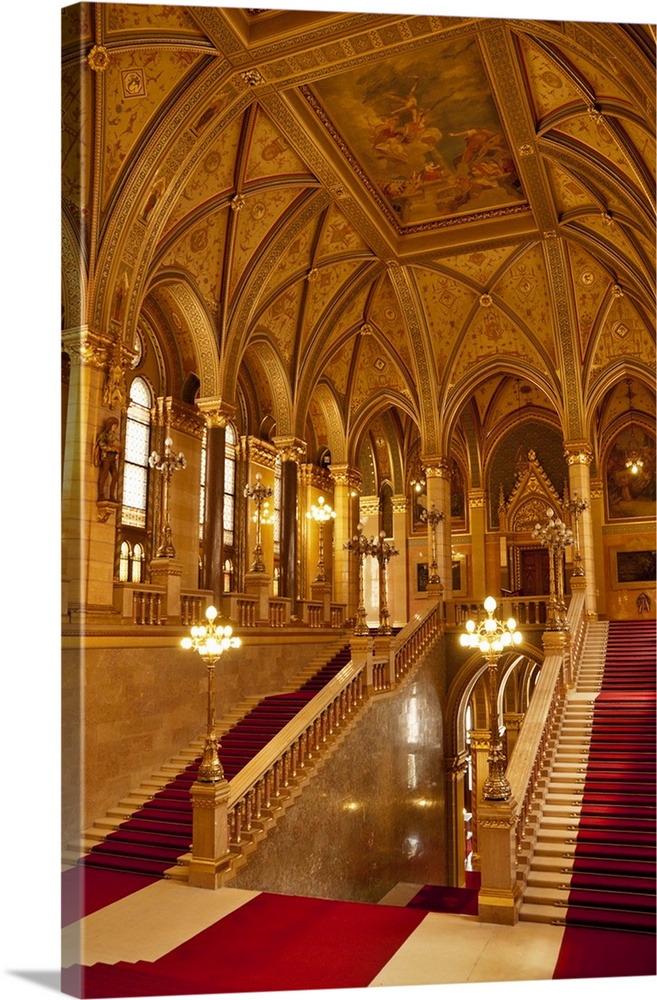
98	58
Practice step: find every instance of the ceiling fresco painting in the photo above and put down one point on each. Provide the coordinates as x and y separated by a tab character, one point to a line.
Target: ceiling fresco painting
427	132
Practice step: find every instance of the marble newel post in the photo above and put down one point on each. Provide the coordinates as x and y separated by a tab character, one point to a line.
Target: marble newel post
91	473
579	456
438	477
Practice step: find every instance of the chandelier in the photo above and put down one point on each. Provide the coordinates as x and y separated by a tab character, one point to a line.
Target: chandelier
633	453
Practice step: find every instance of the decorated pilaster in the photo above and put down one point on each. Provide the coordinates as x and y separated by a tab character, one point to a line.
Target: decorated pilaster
579	457
397	576
369	519
455	771
480	586
597	515
92	470
438	476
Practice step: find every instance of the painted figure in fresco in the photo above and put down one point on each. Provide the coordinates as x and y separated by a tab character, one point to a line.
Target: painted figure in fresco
156	193
106	457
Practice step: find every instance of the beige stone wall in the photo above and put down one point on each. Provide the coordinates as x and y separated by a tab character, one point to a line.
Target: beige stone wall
127	709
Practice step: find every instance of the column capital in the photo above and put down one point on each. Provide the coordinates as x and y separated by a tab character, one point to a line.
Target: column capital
291	449
476	498
346	475
399	504
85	346
315	475
217	412
578	452
369	506
436	465
176	415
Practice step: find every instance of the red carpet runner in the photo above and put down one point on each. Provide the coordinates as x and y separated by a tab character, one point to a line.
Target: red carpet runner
613	882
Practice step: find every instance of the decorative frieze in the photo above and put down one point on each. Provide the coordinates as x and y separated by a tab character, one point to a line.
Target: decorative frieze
176	415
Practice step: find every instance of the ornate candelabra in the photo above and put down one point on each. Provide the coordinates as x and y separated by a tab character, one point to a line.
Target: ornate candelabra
210	642
555	536
491	637
360	547
258	492
576	508
433	517
383	551
167	464
321	513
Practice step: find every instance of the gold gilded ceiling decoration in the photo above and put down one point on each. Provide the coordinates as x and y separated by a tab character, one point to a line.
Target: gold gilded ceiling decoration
402	214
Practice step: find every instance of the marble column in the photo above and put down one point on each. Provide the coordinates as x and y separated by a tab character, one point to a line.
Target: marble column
292	452
217	413
579	456
437	472
96	393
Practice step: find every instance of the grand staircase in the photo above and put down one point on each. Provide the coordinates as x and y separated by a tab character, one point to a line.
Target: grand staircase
594	859
151	828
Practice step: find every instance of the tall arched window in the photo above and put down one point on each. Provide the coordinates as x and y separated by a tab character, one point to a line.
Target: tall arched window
230	465
137	448
137	563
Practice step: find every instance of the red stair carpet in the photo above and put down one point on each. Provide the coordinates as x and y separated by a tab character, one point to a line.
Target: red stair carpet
270	943
155	836
613	884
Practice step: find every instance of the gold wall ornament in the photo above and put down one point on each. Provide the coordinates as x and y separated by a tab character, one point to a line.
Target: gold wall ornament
313	274
486	300
237	203
252	77
98	58
115	391
105	509
617	291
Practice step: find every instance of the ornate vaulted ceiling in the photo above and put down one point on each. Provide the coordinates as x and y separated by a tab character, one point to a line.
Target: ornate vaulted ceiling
368	224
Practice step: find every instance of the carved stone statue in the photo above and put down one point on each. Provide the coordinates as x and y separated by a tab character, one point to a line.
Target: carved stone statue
106	458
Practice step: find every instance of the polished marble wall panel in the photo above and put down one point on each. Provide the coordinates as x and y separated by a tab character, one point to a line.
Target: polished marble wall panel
374	815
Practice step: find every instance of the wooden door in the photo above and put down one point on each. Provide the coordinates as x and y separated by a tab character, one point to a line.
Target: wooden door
534	572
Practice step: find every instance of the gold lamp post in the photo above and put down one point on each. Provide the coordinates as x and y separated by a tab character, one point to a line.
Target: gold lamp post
360	547
321	512
258	492
167	464
491	637
555	536
383	551
433	517
211	642
576	508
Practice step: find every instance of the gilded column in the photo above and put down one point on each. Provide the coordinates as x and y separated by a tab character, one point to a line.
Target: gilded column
397	575
292	452
579	457
438	475
477	505
347	484
217	414
91	482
